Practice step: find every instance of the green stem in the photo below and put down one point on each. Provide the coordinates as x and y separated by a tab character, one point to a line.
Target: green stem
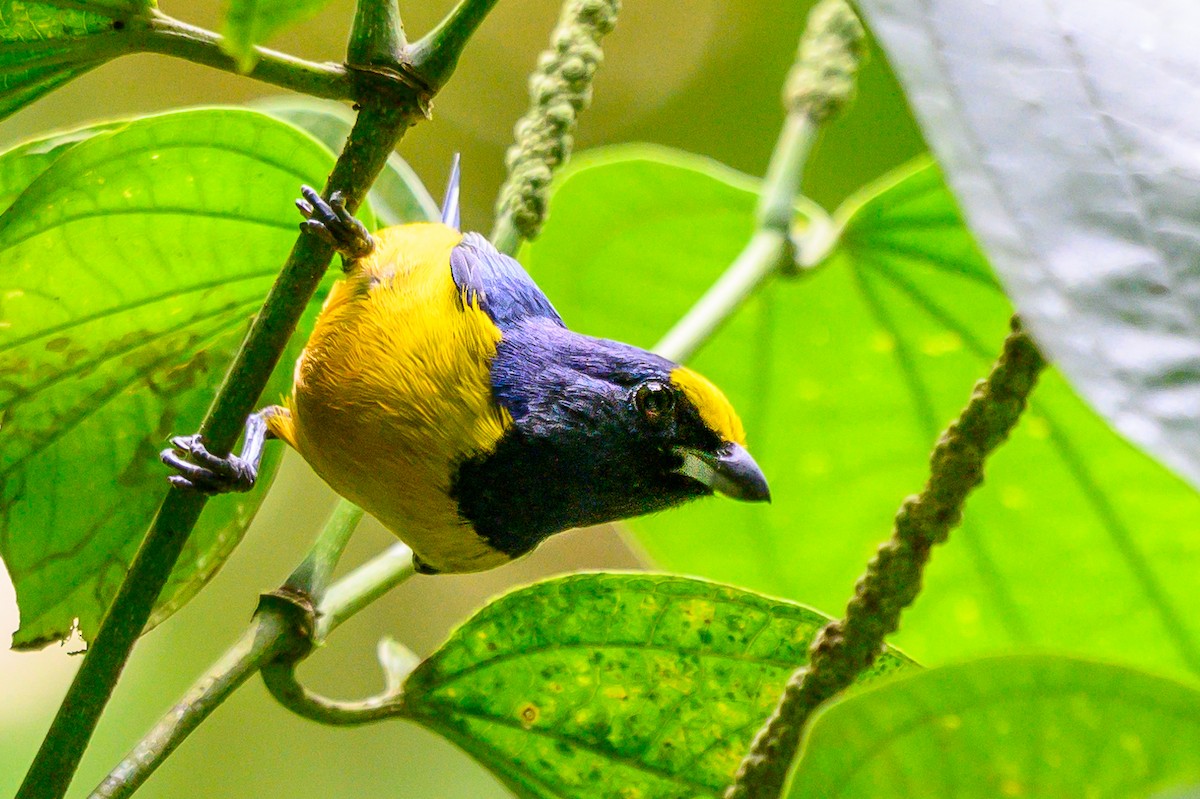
270	635
819	85
168	36
769	251
363	586
346	598
280	678
263	640
377	35
436	55
845	649
159	33
311	577
383	119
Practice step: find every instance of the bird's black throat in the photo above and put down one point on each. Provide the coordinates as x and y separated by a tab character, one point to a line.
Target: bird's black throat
528	489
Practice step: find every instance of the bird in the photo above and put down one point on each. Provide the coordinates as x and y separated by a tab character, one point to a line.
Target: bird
441	392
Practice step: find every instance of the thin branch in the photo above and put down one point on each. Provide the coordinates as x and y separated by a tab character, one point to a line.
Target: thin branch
385	115
436	54
311	577
169	36
363	586
280	678
845	649
819	85
270	635
263	640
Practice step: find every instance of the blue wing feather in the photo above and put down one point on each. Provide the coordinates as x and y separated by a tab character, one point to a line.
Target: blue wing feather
501	286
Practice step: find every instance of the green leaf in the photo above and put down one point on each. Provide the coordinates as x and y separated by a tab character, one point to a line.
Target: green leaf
844	376
130	268
616	684
1067	132
251	22
44	44
20	165
398	195
1017	726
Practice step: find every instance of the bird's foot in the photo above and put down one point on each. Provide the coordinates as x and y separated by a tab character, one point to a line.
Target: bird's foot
333	223
199	470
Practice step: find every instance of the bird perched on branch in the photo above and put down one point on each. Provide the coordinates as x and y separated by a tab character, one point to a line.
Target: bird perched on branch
441	392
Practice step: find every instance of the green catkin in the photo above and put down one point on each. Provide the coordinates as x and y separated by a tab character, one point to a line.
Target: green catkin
847	647
822	81
559	89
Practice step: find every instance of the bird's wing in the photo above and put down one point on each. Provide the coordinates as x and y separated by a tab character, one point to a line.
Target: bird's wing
500	285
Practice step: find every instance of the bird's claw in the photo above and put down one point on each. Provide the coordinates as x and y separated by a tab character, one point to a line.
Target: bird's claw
199	470
333	223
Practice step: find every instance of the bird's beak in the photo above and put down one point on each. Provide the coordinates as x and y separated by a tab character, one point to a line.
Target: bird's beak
731	471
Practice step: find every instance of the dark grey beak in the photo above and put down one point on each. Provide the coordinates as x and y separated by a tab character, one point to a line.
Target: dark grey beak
731	472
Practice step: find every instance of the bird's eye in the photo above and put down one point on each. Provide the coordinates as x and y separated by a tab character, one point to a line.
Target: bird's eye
654	401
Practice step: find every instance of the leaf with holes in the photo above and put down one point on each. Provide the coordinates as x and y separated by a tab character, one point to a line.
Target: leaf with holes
844	376
616	684
1068	130
251	22
130	267
1016	726
44	44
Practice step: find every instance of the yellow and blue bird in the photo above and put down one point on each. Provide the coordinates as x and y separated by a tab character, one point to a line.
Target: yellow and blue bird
442	393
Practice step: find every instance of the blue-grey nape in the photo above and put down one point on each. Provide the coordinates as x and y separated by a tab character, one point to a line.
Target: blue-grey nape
501	286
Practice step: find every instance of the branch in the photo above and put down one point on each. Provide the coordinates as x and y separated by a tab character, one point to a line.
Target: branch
263	640
559	90
819	86
436	55
169	36
270	635
387	110
845	649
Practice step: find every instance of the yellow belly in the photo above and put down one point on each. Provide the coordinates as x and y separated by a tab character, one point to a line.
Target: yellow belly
392	391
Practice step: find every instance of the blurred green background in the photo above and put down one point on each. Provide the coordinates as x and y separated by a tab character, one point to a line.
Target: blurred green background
700	75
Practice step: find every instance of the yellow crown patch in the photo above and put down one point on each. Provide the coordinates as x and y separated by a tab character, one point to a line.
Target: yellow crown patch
714	409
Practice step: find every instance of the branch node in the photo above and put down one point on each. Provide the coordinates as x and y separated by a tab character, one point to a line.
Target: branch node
297	610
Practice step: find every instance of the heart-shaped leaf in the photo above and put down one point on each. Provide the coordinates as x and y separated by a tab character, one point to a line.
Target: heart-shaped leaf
1016	726
1068	130
130	268
844	377
601	685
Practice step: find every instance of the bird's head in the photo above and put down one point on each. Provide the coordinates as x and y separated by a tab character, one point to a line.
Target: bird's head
601	431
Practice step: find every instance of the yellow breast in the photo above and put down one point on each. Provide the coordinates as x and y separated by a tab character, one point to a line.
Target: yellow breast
392	391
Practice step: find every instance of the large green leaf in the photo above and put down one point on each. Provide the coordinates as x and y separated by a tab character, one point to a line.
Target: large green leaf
600	685
1068	131
45	43
20	165
251	22
1006	727
843	377
130	267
